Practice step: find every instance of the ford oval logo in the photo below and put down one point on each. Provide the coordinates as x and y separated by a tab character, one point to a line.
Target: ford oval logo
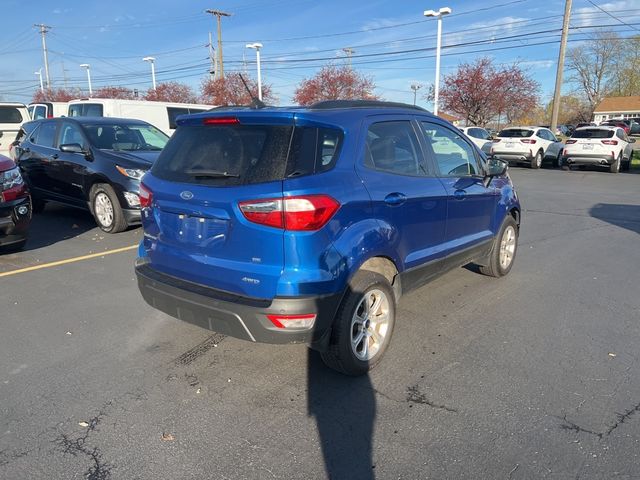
186	195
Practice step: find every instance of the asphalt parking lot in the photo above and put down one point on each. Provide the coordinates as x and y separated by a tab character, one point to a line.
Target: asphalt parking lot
535	375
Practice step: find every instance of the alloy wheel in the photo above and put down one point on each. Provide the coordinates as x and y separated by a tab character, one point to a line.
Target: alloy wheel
370	324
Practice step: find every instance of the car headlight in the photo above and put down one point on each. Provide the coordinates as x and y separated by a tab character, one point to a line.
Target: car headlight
135	173
11	178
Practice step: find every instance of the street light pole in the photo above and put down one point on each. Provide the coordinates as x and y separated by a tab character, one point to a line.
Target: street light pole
88	68
415	87
152	61
39	73
257	46
439	14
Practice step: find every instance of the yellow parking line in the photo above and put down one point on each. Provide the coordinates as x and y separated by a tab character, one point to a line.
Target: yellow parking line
68	260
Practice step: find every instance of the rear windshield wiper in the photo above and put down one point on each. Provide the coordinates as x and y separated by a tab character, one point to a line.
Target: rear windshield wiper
202	173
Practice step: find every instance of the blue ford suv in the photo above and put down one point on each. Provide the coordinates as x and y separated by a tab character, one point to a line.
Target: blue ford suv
307	224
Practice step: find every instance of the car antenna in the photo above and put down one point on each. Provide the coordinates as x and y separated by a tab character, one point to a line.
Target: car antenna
255	102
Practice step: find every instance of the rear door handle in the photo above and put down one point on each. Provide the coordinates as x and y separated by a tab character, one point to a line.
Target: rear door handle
460	194
395	199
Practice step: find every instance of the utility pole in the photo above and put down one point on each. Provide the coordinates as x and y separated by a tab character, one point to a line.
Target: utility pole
64	75
563	47
218	14
415	87
349	51
212	58
43	31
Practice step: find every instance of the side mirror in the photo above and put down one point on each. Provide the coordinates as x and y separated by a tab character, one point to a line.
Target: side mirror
495	168
632	140
71	148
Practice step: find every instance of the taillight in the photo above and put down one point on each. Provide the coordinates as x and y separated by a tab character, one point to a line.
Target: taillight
304	213
293	321
12	185
610	142
570	142
146	196
221	121
527	140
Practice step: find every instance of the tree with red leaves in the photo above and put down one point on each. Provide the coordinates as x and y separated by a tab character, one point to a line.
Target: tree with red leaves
123	93
171	92
335	83
56	95
230	90
479	92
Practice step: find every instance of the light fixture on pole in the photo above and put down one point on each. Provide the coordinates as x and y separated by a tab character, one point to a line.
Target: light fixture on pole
439	14
257	46
88	68
152	61
415	87
39	73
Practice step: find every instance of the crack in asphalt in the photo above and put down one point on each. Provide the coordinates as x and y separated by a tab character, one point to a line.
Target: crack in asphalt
203	347
621	418
415	396
99	470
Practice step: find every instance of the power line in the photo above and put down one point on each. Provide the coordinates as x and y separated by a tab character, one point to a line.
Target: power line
612	16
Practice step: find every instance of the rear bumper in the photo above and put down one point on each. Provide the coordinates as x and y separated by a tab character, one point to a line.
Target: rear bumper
588	159
513	157
233	315
13	224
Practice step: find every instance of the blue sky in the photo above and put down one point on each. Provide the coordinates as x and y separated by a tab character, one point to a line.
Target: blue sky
393	42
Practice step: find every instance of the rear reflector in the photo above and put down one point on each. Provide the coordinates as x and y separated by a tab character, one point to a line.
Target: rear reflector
221	121
146	196
293	321
527	140
304	213
610	142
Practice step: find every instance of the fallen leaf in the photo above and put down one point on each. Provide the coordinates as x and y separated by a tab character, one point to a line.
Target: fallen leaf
612	354
68	333
83	424
198	391
167	437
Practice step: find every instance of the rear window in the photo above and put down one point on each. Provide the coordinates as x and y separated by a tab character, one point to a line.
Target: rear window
515	133
86	110
10	115
592	133
246	154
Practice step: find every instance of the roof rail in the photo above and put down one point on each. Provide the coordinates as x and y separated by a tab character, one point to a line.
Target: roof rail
331	104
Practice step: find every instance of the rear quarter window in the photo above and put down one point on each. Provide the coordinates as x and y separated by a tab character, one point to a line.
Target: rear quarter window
10	115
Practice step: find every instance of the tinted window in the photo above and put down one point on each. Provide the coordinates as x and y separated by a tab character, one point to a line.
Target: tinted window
453	155
46	134
515	133
39	112
393	147
86	110
125	136
247	153
620	134
313	150
10	115
592	133
70	133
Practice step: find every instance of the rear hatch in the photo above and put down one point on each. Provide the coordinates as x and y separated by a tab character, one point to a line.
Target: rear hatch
591	141
194	228
11	118
514	140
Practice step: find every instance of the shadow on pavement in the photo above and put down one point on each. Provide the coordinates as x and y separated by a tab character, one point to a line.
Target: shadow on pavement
624	216
57	223
344	409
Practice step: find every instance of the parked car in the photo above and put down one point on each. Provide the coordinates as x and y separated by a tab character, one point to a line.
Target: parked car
14	148
12	116
38	111
532	145
15	206
93	163
480	137
635	126
603	146
306	225
618	124
161	114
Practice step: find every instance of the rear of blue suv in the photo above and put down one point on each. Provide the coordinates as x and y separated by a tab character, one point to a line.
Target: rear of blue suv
305	225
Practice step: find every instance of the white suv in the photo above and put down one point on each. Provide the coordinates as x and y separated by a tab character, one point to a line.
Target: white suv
12	116
603	146
530	145
480	137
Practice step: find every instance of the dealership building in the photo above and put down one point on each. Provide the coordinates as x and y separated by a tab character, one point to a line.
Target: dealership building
617	107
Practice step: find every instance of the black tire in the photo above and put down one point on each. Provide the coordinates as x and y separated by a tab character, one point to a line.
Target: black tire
340	354
495	268
112	221
37	205
626	166
557	163
536	162
615	166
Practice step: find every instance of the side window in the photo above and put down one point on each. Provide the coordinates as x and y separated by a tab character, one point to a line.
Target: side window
541	134
70	133
620	134
39	112
173	113
46	135
393	147
453	155
313	150
484	134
